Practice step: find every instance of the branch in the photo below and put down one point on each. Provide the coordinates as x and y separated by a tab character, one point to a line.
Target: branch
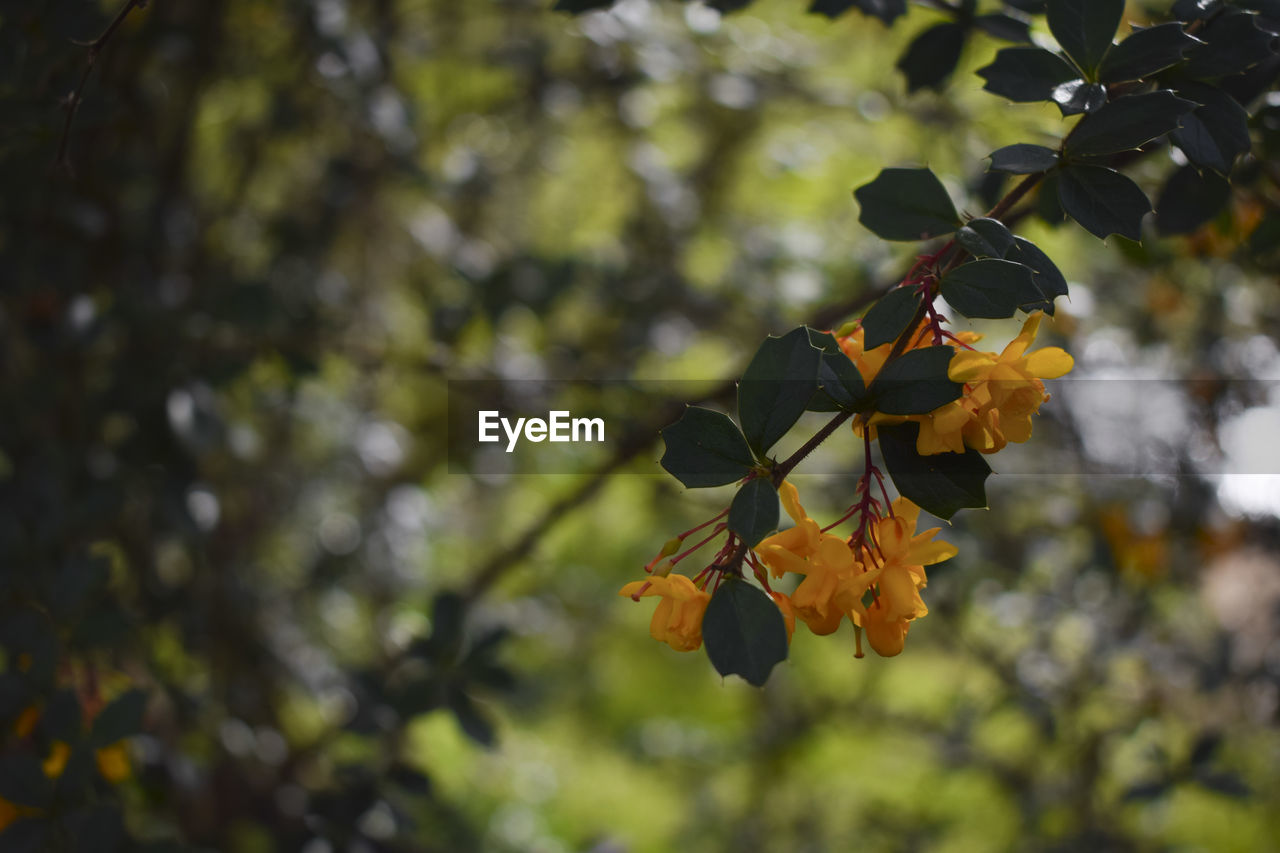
72	102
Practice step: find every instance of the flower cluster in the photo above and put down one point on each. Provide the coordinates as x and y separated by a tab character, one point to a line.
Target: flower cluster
1001	392
31	736
872	573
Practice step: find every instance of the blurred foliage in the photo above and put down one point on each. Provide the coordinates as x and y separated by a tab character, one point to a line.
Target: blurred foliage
228	324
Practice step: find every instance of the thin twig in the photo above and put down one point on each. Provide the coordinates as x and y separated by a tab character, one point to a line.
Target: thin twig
73	100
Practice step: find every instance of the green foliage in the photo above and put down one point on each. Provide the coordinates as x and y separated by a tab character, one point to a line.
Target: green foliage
942	483
706	448
753	514
915	383
1126	124
776	388
1023	158
887	319
1103	201
990	288
906	204
986	238
1085	29
743	632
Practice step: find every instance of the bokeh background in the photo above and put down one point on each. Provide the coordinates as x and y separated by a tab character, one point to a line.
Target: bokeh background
286	232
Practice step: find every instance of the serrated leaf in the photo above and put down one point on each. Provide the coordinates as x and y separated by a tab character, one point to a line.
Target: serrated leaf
915	383
121	718
706	448
753	514
990	289
471	720
1189	199
840	385
1023	158
1216	132
744	632
1026	74
1044	272
1103	201
1145	52
1233	43
1005	27
1079	96
1085	28
448	618
906	204
932	56
943	483
889	317
985	238
1127	123
776	388
886	10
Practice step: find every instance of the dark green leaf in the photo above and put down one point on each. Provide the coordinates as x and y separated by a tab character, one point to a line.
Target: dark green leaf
1195	10
22	780
448	617
840	386
1189	199
889	317
1045	273
1078	96
728	5
1024	74
122	718
1085	28
1205	747
943	483
931	57
575	7
1225	782
777	387
744	632
1142	792
1127	123
990	289
906	204
1005	27
885	10
1216	132
1233	43
61	718
1048	208
1145	52
1103	201
824	341
474	723
753	514
1023	159
96	828
30	835
705	448
915	383
985	238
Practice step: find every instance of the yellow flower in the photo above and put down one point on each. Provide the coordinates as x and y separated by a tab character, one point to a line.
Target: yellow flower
677	620
113	762
1002	392
834	581
900	559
